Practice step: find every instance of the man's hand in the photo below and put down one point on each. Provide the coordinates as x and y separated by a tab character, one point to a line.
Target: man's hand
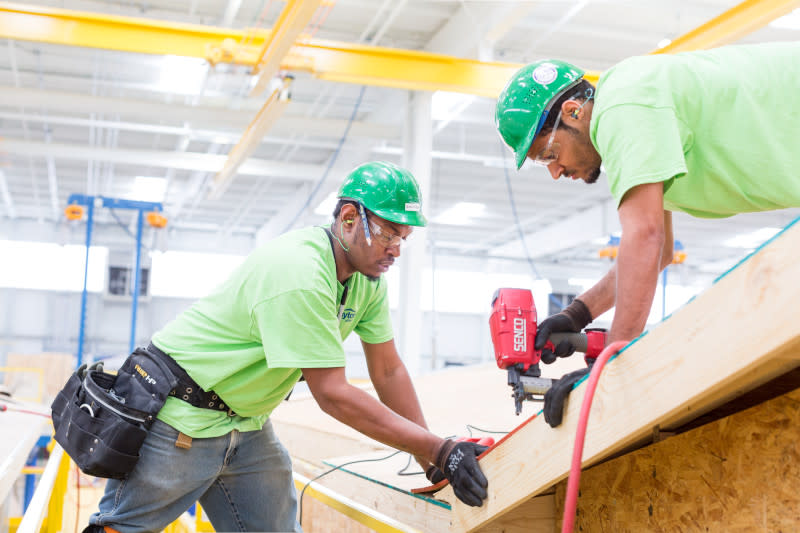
434	475
572	319
556	395
459	464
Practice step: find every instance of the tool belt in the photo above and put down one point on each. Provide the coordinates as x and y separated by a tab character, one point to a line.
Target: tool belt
187	389
102	419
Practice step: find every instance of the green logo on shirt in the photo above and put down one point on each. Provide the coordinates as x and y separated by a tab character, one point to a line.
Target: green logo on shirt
348	314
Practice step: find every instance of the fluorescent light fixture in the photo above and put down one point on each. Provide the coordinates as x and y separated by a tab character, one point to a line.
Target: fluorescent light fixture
182	75
790	21
50	267
446	105
461	213
149	189
664	42
752	239
326	206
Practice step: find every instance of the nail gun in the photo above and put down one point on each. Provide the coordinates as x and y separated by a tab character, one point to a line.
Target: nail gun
513	327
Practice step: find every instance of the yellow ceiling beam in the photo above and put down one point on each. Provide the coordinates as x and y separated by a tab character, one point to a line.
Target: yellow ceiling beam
293	19
733	24
269	113
329	60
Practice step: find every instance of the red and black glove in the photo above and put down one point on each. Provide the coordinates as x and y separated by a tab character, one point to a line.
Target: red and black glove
458	461
435	475
572	319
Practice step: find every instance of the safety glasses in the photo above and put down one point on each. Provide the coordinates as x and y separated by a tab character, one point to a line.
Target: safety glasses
386	238
550	152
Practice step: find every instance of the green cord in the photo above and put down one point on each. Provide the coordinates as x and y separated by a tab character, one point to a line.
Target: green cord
345	248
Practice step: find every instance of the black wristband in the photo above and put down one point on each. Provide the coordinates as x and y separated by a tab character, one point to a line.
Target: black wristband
578	313
444	451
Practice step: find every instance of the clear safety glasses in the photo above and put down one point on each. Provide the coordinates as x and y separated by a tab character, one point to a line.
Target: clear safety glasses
386	238
550	152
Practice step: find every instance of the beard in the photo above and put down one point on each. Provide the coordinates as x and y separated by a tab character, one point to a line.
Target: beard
593	176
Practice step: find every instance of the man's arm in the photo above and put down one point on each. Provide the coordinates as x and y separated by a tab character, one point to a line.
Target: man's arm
354	407
393	384
602	295
643	248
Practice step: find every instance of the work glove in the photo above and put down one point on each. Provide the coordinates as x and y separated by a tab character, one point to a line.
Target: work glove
556	395
571	319
434	475
458	461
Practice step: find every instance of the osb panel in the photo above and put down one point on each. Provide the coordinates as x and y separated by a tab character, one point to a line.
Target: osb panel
740	473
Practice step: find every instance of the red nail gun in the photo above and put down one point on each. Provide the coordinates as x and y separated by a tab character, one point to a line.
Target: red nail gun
513	326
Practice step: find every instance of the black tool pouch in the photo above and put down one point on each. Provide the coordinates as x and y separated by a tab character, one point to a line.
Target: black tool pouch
102	419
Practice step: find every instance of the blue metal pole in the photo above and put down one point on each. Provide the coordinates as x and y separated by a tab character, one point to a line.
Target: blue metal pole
664	293
81	331
136	280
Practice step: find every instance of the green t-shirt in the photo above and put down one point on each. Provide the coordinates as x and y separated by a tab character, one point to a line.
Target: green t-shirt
720	128
277	313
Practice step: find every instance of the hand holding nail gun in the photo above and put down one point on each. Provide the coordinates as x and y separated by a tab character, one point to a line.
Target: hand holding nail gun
519	345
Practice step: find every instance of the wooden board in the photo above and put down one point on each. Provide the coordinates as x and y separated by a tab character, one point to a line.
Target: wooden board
52	368
24	430
736	335
384	469
419	513
740	473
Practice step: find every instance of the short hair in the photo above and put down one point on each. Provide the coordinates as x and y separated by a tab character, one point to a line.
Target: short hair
580	91
344	201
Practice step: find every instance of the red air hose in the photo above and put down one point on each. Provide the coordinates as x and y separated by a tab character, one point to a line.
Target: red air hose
571	502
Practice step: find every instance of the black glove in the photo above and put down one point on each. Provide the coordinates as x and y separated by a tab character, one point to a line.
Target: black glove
572	319
459	464
556	395
434	475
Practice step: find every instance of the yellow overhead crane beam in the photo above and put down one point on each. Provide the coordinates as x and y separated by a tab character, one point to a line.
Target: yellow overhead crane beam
731	25
292	20
328	60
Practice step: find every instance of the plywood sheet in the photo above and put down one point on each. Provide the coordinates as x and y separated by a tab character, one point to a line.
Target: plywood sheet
740	473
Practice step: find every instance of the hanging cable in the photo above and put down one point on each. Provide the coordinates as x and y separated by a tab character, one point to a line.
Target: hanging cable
300	498
332	160
517	222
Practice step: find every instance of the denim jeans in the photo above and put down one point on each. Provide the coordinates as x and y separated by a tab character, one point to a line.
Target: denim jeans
242	480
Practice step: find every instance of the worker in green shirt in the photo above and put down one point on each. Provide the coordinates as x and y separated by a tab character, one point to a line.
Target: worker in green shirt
710	133
281	315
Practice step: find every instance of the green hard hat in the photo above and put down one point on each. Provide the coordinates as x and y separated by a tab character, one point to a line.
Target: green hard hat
389	191
525	102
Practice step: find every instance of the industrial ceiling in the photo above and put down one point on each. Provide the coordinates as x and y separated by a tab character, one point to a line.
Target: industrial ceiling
95	120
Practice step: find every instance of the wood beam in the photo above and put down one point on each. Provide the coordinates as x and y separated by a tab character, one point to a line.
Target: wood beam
729	339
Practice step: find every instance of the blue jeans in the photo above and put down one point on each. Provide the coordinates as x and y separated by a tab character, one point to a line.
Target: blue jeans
242	480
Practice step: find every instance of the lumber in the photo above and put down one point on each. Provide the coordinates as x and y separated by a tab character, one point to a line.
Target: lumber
417	513
733	337
739	473
26	429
